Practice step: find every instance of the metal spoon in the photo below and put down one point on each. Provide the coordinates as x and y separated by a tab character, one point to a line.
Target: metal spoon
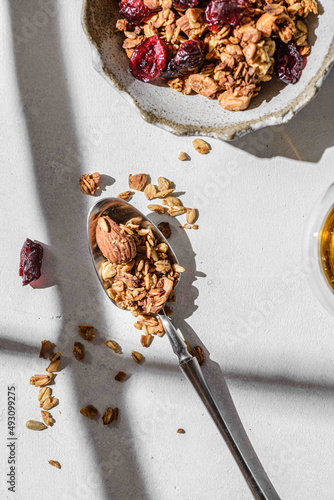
121	211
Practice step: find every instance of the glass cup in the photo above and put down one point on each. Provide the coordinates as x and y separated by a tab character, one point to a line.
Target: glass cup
318	249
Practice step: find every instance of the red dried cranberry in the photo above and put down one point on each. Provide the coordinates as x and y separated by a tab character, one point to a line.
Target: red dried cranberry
30	261
219	12
133	11
185	4
189	57
289	63
149	59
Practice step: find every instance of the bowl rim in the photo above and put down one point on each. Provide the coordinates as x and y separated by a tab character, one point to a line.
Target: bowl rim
228	132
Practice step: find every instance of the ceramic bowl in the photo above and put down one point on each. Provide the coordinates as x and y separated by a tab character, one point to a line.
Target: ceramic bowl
196	115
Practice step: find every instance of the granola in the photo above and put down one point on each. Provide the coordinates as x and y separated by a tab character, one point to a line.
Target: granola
215	49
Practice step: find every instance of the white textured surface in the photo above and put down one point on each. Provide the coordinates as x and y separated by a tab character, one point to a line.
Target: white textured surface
59	119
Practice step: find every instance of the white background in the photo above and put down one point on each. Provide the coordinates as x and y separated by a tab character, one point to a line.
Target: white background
244	296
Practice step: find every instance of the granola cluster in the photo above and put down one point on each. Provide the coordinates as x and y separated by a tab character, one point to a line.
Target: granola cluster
237	56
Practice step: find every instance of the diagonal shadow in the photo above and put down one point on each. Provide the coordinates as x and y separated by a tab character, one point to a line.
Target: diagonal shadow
56	157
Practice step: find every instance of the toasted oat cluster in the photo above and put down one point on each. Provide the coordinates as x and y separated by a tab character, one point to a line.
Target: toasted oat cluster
137	273
221	49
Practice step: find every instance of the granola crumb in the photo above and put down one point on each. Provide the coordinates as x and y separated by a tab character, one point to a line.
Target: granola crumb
113	346
120	376
199	354
55	464
89	183
137	181
89	411
110	415
164	227
86	332
126	195
181	431
137	357
182	156
47	418
78	351
201	146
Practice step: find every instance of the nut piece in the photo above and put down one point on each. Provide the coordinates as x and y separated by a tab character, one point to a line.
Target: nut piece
150	191
191	215
137	181
120	376
78	351
45	348
182	156
43	394
146	340
163	184
115	244
113	346
55	464
39	380
50	403
86	332
89	183
110	415
47	417
199	354
126	195
34	425
89	411
156	208
181	431
137	357
164	227
201	146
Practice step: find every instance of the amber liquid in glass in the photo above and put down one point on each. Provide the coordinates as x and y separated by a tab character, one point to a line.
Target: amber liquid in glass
326	248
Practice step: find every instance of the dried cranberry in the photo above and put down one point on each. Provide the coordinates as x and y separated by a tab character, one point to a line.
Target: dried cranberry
219	12
289	63
133	11
30	261
185	4
149	59
189	57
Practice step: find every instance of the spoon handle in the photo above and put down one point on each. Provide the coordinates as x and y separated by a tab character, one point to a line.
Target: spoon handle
261	488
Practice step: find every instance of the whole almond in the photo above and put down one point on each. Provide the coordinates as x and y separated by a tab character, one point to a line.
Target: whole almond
116	246
34	425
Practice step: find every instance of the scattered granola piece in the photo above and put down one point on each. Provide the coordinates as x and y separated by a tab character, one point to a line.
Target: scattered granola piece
54	464
172	201
168	311
89	411
164	227
181	431
201	146
47	418
150	191
39	380
195	226
110	415
43	394
164	193
176	211
191	215
137	357
156	208
146	340
199	354
137	181
86	332
50	403
89	183
113	346
34	425
188	346
163	184
182	156
126	195
178	269
120	376
55	360
46	347
78	351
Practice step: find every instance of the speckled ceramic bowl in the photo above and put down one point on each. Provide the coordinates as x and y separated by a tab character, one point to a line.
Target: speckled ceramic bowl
190	115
